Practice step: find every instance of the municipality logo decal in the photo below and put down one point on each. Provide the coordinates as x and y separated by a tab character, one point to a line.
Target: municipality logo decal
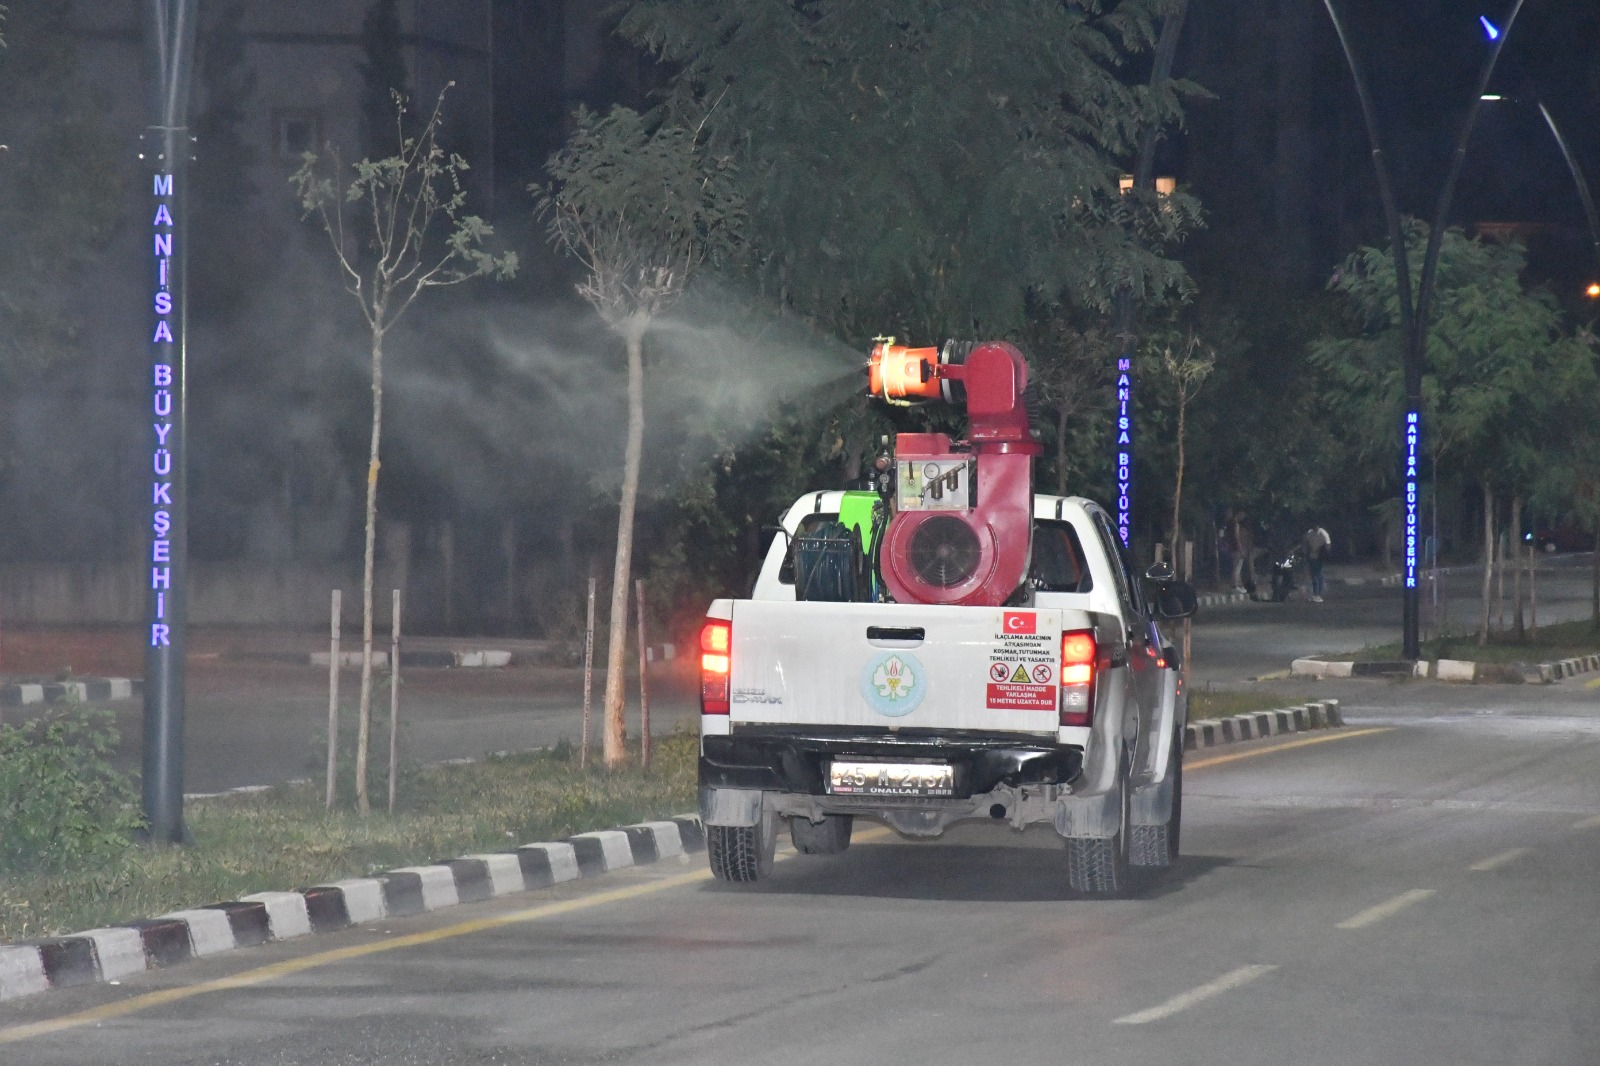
894	684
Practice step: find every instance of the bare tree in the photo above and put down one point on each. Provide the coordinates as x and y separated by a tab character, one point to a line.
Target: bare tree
1068	369
1186	363
398	225
640	209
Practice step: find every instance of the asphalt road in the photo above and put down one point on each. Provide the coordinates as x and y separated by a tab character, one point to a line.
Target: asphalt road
1418	889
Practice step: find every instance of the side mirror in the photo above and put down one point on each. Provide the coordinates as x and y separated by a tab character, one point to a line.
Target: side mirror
1161	571
1174	599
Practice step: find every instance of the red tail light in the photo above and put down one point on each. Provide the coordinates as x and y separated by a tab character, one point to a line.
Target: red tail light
716	663
1078	652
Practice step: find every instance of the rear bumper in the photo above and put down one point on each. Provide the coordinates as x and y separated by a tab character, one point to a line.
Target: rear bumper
796	761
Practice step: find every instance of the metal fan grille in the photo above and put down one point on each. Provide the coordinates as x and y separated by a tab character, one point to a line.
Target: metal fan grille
944	551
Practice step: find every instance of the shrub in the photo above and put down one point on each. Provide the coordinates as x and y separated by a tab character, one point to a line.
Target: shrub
61	803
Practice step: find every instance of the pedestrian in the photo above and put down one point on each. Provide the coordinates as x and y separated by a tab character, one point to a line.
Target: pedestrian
1243	543
1315	545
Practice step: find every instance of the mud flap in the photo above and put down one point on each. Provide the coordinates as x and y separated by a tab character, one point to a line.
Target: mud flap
1098	817
1152	804
730	806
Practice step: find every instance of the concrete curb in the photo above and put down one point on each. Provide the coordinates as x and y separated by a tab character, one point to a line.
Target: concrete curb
1581	664
100	955
1213	732
1222	599
1458	670
465	658
98	689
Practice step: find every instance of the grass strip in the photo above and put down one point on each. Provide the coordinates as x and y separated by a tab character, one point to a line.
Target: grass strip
1562	640
1206	702
283	838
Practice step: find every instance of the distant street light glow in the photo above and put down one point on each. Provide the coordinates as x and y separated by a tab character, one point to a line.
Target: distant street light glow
1491	97
1593	291
1488	27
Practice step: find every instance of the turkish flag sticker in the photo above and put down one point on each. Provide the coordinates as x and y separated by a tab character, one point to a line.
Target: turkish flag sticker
1020	622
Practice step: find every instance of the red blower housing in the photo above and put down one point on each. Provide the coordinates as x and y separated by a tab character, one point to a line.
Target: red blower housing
962	528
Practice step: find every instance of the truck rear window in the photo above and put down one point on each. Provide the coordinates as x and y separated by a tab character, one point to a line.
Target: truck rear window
1058	561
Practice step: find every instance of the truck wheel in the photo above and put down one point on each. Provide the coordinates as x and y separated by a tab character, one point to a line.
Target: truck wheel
741	853
827	837
1099	865
1157	845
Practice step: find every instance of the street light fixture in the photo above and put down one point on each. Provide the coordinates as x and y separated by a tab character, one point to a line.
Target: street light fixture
1578	180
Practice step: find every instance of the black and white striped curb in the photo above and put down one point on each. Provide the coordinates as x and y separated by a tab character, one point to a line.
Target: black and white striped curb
1222	599
101	955
1580	664
90	688
1322	714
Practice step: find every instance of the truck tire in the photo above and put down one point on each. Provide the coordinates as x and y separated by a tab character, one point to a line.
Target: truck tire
741	853
1157	845
1099	865
827	837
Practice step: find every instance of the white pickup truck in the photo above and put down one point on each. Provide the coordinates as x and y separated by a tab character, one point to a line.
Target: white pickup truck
1062	706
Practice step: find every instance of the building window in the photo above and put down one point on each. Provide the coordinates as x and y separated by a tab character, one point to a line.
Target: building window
296	132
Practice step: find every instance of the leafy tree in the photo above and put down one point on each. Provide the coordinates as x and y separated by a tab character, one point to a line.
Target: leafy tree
398	226
60	186
1493	349
641	207
927	169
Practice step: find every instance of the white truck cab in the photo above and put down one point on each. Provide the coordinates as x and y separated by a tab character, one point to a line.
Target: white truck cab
1060	706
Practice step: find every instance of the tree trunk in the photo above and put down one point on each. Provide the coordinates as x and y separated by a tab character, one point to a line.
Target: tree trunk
1518	556
364	711
1488	562
1499	580
1177	490
1533	594
616	649
1061	450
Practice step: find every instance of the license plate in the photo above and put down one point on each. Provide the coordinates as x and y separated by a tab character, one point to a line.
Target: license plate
849	777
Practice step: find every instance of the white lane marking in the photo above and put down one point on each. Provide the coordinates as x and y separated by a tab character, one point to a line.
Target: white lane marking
1588	823
1386	909
1226	983
1499	860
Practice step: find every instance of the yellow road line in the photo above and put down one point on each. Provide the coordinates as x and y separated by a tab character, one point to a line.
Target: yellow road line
1588	823
1384	910
1499	860
1218	760
289	967
1592	683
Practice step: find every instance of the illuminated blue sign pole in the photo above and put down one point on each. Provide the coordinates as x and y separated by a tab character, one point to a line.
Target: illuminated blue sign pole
166	150
1143	178
1414	319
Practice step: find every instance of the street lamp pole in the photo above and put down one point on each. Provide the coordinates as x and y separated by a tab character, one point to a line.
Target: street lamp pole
166	148
1577	179
1414	318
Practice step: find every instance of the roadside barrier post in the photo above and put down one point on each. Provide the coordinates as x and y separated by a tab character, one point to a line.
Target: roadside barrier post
394	696
644	684
588	678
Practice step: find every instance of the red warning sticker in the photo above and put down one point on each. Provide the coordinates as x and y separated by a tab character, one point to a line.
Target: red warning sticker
1011	697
